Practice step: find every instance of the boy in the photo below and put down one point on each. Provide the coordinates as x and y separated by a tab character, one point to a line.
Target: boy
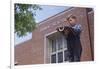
72	35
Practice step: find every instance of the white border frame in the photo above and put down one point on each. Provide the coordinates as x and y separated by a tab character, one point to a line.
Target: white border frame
44	2
12	36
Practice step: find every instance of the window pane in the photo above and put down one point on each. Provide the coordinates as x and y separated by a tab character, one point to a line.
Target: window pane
53	45
60	57
66	55
53	58
60	45
65	43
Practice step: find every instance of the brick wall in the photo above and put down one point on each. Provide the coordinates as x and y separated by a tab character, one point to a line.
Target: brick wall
23	53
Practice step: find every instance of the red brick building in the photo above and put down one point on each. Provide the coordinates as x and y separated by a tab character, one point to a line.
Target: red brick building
45	37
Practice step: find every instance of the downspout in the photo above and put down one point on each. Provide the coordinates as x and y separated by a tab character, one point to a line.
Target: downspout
92	56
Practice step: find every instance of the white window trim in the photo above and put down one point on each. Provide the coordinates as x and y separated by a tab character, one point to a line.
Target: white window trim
45	44
57	51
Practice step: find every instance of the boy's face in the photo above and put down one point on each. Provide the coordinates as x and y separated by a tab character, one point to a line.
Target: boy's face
72	21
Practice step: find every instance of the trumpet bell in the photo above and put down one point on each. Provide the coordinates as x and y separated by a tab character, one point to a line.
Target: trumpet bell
61	28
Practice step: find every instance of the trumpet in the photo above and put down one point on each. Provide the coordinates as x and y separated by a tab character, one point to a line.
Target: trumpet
67	28
61	28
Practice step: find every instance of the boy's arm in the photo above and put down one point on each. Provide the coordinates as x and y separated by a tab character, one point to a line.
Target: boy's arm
76	30
71	30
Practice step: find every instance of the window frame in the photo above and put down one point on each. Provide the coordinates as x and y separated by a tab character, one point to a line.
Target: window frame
58	51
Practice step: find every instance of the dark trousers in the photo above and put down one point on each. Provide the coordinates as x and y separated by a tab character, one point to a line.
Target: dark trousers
74	56
74	49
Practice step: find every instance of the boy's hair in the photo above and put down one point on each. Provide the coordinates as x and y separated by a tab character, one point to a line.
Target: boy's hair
71	16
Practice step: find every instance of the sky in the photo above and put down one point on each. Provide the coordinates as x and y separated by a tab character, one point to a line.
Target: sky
46	12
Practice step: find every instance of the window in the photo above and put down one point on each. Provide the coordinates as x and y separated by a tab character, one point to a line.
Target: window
53	58
59	40
60	57
59	51
66	55
53	45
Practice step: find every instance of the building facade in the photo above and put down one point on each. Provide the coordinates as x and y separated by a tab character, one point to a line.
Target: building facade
49	46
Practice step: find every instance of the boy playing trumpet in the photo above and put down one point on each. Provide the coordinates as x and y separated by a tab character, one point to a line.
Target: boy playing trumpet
72	35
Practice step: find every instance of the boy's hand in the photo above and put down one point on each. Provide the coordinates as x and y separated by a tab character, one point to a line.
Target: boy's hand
66	31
